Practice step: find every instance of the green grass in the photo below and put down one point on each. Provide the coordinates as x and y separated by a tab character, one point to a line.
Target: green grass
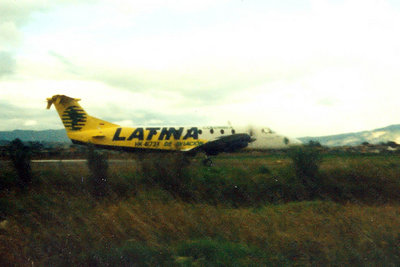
80	231
243	212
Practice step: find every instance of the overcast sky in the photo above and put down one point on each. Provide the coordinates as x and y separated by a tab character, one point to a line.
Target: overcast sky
300	67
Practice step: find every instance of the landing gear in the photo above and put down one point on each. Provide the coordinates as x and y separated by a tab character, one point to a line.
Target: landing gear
208	162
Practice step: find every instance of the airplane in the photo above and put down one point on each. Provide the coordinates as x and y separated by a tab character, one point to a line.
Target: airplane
84	129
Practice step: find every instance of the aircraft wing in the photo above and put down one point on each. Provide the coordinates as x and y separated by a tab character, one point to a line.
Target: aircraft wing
228	143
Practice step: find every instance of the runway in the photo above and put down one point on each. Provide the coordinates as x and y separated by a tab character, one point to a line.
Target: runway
58	160
71	160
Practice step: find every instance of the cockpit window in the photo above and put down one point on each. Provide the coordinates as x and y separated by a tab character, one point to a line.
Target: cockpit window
266	131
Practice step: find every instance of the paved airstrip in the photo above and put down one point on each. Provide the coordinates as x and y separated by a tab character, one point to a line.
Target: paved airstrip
70	160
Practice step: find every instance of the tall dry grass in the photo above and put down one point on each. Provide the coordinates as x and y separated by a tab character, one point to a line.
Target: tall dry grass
304	233
58	222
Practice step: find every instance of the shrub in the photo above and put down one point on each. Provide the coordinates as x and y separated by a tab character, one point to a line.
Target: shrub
209	185
314	143
20	158
98	167
123	185
365	183
240	190
218	186
169	172
306	161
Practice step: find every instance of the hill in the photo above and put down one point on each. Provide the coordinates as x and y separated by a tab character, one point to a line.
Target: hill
59	136
376	136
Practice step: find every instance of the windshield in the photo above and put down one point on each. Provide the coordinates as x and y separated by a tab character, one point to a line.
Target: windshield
266	131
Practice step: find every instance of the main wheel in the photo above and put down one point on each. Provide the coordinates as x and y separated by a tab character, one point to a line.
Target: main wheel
208	162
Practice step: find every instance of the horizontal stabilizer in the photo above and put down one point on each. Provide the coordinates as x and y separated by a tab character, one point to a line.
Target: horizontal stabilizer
99	136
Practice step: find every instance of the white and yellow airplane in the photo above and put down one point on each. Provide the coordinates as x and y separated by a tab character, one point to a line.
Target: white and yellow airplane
84	129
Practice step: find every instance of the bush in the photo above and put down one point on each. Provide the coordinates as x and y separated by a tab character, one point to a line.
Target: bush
123	185
167	171
217	186
98	167
361	183
20	158
208	185
306	161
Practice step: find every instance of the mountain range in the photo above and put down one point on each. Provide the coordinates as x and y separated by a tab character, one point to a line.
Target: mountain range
46	136
376	136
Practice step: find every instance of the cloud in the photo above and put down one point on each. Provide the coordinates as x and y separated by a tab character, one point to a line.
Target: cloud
17	117
30	123
328	102
300	68
154	118
197	88
205	65
7	63
68	65
9	35
17	13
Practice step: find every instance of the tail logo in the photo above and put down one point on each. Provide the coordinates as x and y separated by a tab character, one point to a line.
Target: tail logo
74	118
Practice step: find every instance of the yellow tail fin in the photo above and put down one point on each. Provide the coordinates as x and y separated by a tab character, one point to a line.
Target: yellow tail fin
73	116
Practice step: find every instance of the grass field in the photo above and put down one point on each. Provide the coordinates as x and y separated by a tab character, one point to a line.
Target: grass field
249	209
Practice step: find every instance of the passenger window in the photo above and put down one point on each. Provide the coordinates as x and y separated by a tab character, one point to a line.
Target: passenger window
233	131
222	131
211	131
200	131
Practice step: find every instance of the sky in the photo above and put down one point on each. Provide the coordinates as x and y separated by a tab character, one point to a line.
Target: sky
300	67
